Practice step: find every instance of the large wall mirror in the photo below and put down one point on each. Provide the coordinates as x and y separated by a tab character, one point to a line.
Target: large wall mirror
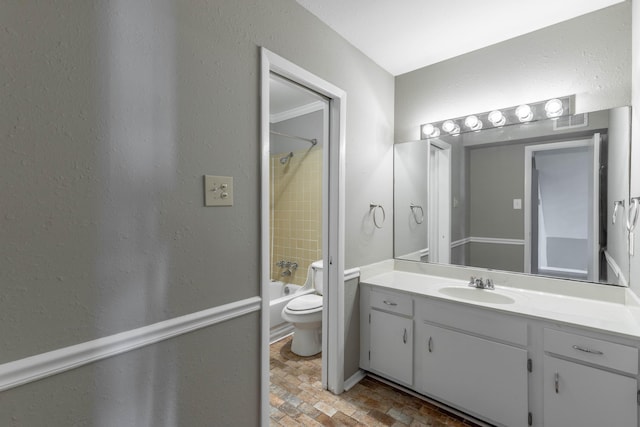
547	198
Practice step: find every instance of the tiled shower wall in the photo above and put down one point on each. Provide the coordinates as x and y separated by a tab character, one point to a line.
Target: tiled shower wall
296	212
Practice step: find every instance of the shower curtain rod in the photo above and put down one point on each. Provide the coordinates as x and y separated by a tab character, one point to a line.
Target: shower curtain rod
312	141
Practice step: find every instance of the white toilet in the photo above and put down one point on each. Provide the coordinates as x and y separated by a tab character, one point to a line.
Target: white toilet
305	313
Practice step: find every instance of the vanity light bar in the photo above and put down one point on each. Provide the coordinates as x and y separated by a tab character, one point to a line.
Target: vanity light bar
524	113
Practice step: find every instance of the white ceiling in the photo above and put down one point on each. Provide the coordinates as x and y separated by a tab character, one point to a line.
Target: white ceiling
288	100
285	96
404	35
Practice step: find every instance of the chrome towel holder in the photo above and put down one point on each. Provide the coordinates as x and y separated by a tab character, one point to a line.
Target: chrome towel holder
373	209
632	220
632	214
616	205
414	210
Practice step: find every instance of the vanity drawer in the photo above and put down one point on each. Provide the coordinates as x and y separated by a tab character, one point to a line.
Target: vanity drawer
598	352
392	301
478	321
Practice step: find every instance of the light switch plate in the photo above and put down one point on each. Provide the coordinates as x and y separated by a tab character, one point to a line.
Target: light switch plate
218	190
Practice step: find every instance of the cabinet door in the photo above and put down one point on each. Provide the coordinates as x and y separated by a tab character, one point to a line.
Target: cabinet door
478	376
578	395
391	346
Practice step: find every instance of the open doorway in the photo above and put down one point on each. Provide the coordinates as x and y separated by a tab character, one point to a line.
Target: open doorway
298	120
331	103
562	186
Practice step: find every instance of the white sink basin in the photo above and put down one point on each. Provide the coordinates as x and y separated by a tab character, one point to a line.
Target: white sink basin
477	295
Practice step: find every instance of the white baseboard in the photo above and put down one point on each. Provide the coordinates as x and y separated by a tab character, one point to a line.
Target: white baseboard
447	408
280	332
354	379
34	368
493	240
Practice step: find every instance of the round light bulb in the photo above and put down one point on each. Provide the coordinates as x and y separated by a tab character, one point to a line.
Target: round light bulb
524	113
430	131
497	118
553	108
473	123
450	127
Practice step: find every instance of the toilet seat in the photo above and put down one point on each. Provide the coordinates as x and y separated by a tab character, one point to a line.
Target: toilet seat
305	304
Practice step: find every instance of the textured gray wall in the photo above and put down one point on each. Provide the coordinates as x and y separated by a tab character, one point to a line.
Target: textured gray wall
113	111
496	257
496	176
191	380
618	188
410	186
635	137
351	328
589	56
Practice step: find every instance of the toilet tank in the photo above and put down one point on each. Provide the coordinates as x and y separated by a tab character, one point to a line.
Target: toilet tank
317	276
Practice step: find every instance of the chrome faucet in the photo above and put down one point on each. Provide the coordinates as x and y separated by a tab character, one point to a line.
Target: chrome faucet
478	282
288	266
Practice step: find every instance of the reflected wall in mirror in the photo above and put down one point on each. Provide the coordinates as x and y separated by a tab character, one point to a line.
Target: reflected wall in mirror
535	198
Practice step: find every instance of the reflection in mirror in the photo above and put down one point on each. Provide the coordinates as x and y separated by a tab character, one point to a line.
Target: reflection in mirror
536	198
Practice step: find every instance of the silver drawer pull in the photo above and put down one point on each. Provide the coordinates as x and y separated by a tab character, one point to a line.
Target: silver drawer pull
587	350
391	303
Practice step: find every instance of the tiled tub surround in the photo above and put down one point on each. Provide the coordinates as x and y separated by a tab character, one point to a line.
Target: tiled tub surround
526	349
296	220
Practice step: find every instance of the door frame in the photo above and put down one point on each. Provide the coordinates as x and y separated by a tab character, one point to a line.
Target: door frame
529	150
439	217
333	223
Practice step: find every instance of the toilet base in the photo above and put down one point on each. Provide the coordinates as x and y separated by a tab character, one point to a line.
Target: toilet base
307	340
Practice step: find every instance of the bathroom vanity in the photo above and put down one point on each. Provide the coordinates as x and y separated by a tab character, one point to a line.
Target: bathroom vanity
510	356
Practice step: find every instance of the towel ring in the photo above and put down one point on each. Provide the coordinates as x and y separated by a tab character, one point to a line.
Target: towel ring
414	209
617	204
373	207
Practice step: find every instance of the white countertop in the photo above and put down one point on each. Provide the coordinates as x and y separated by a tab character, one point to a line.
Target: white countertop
610	317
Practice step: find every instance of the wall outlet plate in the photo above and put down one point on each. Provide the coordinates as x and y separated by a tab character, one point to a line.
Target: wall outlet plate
218	190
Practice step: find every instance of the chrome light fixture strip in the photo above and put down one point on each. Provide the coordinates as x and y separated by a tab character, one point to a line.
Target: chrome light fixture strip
541	110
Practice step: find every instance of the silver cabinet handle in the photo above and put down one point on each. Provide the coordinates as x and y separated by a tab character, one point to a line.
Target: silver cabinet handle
557	382
391	303
430	345
404	336
587	350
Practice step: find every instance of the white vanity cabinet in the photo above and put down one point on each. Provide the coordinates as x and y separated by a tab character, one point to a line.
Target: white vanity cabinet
483	377
503	367
392	346
589	382
390	330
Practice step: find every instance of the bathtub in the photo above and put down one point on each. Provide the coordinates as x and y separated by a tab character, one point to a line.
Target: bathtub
280	294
